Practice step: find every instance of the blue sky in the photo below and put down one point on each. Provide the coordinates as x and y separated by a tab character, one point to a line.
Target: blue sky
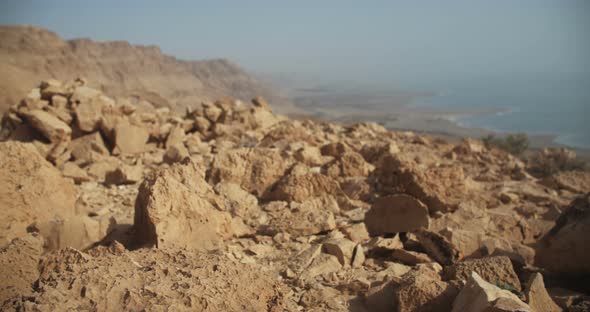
363	40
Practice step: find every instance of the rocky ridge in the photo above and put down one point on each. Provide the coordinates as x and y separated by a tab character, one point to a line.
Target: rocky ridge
110	204
30	53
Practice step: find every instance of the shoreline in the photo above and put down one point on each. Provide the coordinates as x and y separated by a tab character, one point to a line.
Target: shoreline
438	122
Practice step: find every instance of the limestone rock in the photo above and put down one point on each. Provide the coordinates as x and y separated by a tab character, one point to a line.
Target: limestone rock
31	189
423	290
101	170
125	174
302	219
295	187
88	105
78	232
349	164
254	169
479	295
356	232
130	139
172	209
440	188
50	126
88	149
176	136
565	248
396	213
71	170
537	296
238	202
176	153
342	248
496	270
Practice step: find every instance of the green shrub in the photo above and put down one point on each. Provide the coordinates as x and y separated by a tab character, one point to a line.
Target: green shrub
552	160
515	144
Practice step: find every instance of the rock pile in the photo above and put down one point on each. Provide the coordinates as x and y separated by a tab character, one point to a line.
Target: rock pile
231	207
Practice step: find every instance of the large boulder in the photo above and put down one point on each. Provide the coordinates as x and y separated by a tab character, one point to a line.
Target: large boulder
423	290
88	149
496	270
537	296
130	139
254	169
49	126
176	207
565	248
299	187
31	190
479	296
441	188
88	104
396	213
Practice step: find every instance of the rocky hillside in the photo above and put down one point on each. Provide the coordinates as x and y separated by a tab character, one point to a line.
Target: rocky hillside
28	54
114	204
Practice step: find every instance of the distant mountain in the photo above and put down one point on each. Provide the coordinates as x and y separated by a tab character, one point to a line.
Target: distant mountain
30	54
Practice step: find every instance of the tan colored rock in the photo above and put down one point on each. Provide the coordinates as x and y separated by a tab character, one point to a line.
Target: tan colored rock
302	219
130	139
396	213
496	270
294	187
62	114
51	87
176	153
31	190
311	156
303	259
102	169
479	295
424	291
88	105
537	296
88	149
565	248
71	170
176	136
173	208
125	174
356	232
238	202
349	164
18	267
341	248
322	264
358	256
440	188
50	126
254	169
467	242
78	232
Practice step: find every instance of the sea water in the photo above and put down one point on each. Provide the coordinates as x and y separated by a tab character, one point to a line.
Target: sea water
556	104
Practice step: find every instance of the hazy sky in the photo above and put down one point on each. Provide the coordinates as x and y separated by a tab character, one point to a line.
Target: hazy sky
362	40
